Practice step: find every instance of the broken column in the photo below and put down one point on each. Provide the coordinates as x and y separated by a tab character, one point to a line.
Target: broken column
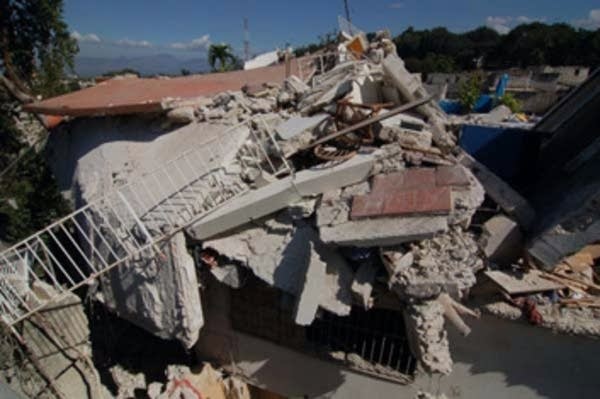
427	336
412	89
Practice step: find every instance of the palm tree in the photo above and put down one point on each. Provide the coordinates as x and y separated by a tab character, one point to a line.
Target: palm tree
223	53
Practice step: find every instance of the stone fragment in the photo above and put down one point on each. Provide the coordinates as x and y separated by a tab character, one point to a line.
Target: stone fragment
406	137
298	124
181	115
126	382
501	240
214	113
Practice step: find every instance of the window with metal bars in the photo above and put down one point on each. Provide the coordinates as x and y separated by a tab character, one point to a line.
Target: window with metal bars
372	341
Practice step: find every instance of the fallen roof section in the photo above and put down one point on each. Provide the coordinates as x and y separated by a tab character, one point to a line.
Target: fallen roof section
130	96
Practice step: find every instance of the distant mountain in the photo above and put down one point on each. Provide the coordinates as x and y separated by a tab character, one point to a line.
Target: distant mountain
146	65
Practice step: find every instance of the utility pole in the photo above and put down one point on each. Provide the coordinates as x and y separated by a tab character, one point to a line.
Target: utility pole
347	10
246	40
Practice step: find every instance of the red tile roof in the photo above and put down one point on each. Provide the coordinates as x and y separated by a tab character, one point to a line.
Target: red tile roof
126	96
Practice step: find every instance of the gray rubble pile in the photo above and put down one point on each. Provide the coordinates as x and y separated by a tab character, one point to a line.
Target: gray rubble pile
392	187
358	159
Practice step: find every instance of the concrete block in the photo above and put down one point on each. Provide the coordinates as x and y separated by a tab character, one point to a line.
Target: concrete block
298	124
383	231
502	240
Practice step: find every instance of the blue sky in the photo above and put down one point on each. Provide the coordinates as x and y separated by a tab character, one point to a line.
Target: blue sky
187	27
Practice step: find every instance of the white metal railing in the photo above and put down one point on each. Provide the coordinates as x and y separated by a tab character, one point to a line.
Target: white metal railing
127	223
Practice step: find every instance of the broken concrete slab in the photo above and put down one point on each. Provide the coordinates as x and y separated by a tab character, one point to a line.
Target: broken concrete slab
504	195
382	231
502	240
522	283
298	124
311	289
278	195
159	294
274	248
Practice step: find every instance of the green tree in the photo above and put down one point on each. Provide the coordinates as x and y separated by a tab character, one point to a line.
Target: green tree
223	53
35	50
470	91
35	46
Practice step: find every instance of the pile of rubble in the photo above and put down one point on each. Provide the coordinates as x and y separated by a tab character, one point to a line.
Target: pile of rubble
329	191
373	171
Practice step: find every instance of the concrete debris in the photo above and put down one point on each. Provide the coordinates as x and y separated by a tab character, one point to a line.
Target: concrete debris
280	194
445	263
127	383
296	125
501	240
412	89
275	248
181	115
427	336
357	159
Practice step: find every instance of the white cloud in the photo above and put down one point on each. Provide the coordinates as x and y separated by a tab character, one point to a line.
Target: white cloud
591	22
503	25
522	19
88	38
499	24
133	43
397	5
200	43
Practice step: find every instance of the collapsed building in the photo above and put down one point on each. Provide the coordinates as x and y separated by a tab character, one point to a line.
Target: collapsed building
319	237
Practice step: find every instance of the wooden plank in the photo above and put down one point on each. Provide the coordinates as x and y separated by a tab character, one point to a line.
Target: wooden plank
523	283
